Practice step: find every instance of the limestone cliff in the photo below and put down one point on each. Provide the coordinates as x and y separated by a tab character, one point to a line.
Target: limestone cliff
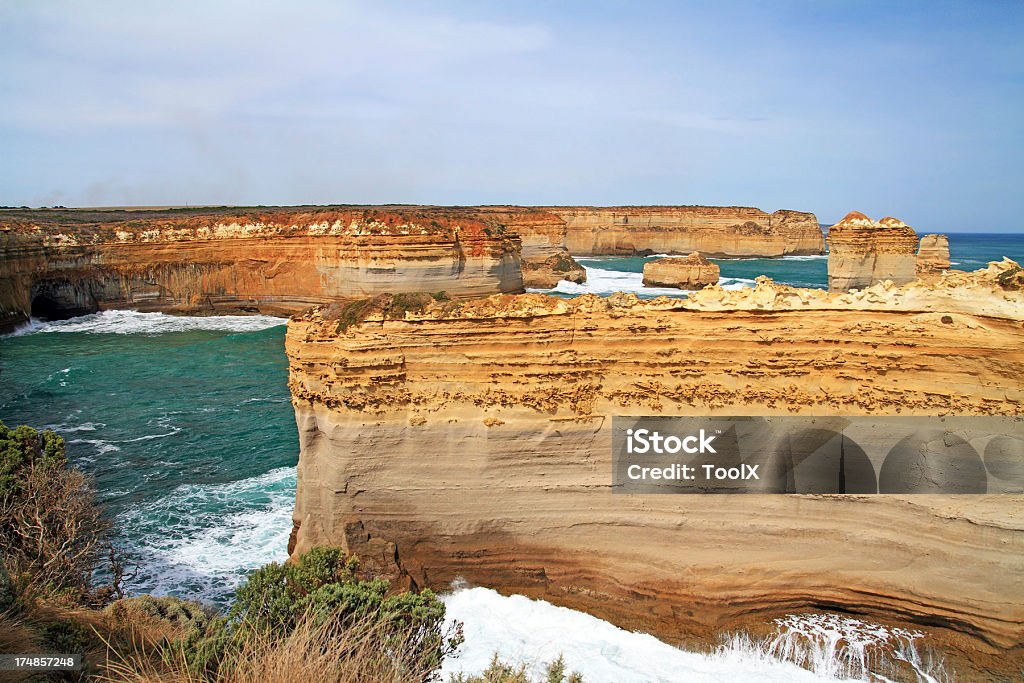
472	439
57	264
863	252
933	254
690	272
715	231
546	260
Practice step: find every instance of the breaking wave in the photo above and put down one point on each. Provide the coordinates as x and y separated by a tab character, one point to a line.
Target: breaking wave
201	540
534	632
134	322
606	282
840	647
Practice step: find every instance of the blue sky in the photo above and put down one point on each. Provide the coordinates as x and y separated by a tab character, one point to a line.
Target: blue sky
907	109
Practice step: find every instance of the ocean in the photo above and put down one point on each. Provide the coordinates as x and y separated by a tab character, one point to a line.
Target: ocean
609	274
187	426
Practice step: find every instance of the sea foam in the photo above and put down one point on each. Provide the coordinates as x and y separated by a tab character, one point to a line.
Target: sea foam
534	632
201	540
604	282
135	322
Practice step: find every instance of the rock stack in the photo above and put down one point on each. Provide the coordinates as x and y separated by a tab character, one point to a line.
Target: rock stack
933	254
689	272
863	252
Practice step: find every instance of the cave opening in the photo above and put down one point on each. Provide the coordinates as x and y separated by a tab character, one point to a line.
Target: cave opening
60	301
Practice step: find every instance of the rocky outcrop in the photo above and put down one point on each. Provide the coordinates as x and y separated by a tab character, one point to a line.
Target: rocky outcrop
58	264
476	437
933	254
690	272
863	252
547	273
282	259
715	231
546	260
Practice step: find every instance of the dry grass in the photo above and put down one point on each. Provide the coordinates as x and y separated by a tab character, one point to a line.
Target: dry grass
311	653
16	638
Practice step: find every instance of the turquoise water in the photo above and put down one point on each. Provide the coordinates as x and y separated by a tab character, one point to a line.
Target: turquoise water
187	426
608	274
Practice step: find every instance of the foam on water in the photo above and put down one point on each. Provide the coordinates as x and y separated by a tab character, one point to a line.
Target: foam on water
604	282
838	646
534	632
134	322
202	539
100	445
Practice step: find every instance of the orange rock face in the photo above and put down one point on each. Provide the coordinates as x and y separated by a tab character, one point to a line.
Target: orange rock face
476	438
863	252
269	261
933	254
714	231
690	272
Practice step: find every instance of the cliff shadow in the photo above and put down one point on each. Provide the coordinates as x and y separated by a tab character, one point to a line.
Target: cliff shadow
61	299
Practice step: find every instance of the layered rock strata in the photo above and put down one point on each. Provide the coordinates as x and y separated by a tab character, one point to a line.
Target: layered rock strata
690	272
546	260
933	254
715	231
863	252
547	273
229	261
472	440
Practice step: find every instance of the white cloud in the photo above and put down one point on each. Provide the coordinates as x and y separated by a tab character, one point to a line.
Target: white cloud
120	64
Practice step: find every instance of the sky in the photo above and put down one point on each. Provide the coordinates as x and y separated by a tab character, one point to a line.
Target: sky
910	109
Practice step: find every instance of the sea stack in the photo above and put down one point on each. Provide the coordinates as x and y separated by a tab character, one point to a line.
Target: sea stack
688	272
547	273
863	252
933	254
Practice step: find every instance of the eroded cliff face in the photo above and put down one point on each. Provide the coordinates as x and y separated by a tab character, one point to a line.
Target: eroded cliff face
933	254
690	272
715	231
276	262
545	259
863	252
473	440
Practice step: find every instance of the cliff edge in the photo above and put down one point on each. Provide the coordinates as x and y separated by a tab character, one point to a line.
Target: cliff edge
473	440
715	231
57	264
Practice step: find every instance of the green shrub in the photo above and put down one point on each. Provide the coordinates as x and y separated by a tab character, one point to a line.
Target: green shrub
51	527
23	448
183	616
502	672
321	589
388	306
412	302
353	312
66	636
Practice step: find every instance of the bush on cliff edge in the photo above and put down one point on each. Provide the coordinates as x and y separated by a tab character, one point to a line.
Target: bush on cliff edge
51	527
319	599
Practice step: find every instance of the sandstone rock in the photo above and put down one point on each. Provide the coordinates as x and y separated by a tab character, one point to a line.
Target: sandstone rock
726	231
933	254
547	273
66	263
863	252
527	506
690	272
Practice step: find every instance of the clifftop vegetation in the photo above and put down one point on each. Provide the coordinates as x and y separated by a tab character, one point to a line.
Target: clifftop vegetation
311	619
